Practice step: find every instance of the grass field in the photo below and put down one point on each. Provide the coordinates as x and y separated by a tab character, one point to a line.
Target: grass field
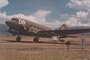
27	50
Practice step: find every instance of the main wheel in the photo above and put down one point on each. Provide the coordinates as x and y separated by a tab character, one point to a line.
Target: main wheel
36	40
18	39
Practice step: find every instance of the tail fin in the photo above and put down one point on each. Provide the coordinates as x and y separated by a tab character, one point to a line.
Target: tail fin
63	27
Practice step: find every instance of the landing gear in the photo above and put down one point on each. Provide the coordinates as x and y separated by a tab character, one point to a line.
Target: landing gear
36	39
61	40
18	39
9	29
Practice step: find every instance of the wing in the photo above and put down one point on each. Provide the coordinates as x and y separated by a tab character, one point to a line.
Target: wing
51	33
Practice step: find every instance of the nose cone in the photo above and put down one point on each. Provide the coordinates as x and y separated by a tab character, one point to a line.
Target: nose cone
8	22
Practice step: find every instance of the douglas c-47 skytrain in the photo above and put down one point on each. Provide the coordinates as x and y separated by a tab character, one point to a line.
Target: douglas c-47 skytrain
19	26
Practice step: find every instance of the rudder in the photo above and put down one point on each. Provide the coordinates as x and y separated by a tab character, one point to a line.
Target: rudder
63	27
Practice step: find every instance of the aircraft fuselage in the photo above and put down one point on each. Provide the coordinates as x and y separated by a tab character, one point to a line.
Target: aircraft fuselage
27	27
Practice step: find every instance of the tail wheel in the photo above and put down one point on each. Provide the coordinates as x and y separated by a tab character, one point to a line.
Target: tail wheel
61	39
18	39
36	39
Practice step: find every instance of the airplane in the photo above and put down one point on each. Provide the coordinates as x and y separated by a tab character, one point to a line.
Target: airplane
19	26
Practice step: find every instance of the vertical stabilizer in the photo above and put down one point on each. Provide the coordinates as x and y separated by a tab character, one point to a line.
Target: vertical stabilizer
63	27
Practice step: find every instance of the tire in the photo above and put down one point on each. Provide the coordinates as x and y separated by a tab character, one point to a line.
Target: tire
36	40
18	39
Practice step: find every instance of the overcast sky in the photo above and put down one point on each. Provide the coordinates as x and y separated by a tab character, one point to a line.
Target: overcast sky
52	13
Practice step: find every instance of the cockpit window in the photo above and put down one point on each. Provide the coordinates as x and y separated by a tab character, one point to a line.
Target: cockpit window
14	19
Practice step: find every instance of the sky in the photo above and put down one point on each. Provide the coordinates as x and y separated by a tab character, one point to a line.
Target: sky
51	13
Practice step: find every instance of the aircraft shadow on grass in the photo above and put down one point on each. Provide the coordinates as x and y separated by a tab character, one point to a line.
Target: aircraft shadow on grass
46	42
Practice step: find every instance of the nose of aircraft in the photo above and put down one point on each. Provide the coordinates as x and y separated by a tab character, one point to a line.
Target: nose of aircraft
8	22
